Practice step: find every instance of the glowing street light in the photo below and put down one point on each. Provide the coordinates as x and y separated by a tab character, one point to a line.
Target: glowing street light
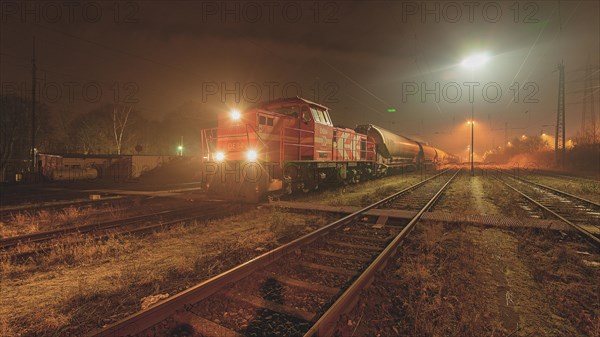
472	62
475	61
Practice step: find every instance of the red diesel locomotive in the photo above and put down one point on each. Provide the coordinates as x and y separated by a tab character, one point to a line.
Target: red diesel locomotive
291	144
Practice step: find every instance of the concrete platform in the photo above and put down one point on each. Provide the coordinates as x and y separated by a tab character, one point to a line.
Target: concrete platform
482	220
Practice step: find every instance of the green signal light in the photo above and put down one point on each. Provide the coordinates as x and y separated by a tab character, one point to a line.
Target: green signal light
391	110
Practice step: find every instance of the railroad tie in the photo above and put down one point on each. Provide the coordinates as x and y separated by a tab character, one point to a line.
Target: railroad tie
381	221
262	303
203	326
292	282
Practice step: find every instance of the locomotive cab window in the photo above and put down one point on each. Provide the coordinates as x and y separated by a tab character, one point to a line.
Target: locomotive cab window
327	119
306	114
320	116
316	116
264	120
291	111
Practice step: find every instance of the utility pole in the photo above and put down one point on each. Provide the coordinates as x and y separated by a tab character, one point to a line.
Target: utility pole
472	137
33	73
588	118
559	141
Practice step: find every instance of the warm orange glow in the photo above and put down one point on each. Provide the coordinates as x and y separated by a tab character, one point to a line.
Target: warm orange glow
523	137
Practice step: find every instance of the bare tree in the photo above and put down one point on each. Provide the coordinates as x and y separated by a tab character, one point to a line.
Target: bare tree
14	117
120	118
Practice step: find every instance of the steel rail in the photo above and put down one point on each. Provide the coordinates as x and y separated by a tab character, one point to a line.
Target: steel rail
59	203
149	317
552	189
326	324
48	235
24	256
593	238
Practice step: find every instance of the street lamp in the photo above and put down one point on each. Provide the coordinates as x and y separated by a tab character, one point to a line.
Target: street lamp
180	147
472	62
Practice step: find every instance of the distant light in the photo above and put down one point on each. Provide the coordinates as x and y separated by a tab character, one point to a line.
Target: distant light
470	122
236	115
180	147
220	156
391	110
251	155
523	137
475	61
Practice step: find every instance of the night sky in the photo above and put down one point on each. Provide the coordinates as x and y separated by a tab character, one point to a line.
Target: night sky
362	58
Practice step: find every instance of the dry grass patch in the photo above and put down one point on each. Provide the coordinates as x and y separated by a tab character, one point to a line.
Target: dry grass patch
477	281
23	223
581	187
443	285
470	195
93	284
364	193
567	271
435	287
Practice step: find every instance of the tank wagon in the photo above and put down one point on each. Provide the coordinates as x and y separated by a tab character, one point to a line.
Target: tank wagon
291	144
393	152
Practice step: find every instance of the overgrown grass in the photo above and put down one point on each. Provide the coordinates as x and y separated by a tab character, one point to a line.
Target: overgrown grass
79	287
579	187
568	272
22	223
439	294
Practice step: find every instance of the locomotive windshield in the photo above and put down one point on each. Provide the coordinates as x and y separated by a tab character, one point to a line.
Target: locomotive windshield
288	110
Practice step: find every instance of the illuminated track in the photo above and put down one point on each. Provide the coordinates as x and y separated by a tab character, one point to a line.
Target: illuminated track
579	213
328	267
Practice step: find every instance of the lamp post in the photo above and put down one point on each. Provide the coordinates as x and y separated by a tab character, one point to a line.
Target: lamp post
472	62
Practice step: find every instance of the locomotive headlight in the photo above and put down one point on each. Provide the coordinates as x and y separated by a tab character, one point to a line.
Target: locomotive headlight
219	156
236	115
251	155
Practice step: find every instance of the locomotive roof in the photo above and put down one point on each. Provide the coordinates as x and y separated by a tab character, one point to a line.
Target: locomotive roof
291	100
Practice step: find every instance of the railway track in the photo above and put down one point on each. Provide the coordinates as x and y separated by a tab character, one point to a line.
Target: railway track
298	289
133	225
6	213
581	214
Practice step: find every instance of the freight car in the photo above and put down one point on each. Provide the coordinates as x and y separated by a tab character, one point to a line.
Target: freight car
291	144
393	152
